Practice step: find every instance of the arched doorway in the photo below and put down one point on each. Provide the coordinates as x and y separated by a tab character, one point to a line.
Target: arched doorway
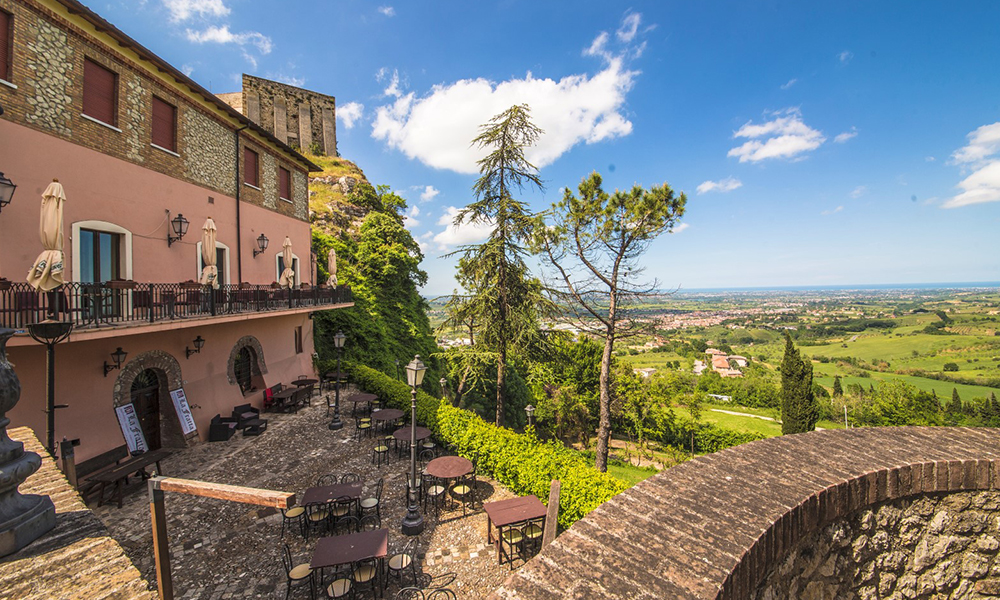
246	364
145	397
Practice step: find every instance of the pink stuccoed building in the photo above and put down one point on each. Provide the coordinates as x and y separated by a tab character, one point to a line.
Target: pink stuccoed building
135	143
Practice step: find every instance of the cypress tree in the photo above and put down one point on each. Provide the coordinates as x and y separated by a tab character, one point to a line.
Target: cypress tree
838	391
799	409
955	405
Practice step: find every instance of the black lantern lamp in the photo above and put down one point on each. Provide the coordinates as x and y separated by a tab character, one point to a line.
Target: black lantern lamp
180	226
7	188
413	522
262	244
119	357
50	332
338	342
199	343
530	410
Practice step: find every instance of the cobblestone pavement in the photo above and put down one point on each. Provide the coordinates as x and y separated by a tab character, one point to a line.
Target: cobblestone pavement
225	550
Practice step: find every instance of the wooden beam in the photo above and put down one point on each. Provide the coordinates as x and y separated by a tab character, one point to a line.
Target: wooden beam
552	514
221	491
161	546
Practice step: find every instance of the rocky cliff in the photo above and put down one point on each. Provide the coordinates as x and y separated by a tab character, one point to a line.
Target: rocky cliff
330	207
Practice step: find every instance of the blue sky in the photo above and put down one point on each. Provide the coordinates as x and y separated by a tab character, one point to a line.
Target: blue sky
818	143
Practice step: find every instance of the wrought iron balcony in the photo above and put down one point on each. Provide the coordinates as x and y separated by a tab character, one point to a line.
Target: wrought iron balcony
90	305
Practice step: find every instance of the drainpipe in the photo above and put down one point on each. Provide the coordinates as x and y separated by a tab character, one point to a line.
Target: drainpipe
239	232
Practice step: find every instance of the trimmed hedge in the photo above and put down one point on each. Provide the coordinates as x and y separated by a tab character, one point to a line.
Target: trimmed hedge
521	462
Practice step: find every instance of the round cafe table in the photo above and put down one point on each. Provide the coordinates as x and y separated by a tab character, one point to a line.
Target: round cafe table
449	467
360	398
387	415
402	436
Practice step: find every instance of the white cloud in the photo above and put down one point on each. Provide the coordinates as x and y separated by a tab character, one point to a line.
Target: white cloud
387	11
182	10
845	57
630	24
859	191
350	113
785	136
723	185
287	79
187	70
834	211
981	156
840	138
467	232
222	35
599	46
410	218
929	159
680	228
790	83
393	88
429	193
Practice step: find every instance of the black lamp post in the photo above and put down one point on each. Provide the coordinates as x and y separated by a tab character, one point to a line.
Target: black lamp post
180	226
199	343
397	369
338	342
413	522
530	410
262	244
443	383
50	332
118	356
7	188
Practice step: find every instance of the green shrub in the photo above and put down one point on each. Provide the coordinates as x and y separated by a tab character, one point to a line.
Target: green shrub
521	462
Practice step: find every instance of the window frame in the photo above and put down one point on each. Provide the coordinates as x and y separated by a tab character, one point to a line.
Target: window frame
223	266
125	248
7	70
256	170
298	340
113	122
172	148
115	262
279	267
288	178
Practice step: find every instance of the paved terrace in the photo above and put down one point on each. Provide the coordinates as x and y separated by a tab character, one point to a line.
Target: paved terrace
716	526
77	559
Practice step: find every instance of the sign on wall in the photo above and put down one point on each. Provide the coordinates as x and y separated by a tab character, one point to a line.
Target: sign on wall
183	411
131	429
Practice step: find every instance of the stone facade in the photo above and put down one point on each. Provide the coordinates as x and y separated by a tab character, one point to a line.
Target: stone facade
249	341
298	117
168	373
300	194
940	546
269	180
48	57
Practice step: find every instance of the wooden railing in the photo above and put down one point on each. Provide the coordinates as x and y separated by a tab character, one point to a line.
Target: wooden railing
124	302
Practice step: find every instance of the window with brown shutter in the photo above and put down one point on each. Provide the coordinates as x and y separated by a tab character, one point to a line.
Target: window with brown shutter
6	45
284	184
164	125
250	167
100	90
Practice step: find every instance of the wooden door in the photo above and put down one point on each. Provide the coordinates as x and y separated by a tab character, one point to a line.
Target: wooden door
146	400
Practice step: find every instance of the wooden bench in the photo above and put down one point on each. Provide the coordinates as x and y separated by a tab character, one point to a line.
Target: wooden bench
85	471
118	476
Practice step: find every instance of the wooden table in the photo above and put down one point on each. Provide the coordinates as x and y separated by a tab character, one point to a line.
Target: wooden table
347	549
387	415
508	512
361	397
403	433
449	467
324	494
282	397
120	474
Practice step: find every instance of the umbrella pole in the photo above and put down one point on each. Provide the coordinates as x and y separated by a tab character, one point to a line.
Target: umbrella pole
50	398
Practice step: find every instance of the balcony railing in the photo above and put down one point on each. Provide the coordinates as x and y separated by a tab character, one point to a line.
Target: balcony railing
127	302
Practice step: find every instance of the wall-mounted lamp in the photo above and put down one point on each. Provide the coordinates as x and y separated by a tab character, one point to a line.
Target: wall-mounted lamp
199	343
7	188
262	244
180	226
119	357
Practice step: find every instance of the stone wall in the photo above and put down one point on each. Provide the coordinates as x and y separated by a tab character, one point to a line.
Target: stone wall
209	158
940	546
50	69
295	116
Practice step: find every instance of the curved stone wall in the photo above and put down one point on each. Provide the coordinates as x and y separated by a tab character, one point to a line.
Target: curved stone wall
720	525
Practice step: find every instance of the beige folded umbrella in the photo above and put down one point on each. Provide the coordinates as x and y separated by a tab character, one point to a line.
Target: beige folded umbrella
287	279
210	272
331	266
47	272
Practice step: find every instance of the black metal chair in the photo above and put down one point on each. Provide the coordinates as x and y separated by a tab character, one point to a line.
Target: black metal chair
374	502
370	523
347	524
362	426
317	518
328	479
380	453
402	561
434	492
350	478
293	516
341	508
366	576
298	575
533	533
511	540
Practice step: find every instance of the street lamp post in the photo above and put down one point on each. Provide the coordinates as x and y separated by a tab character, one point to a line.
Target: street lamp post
530	410
50	332
397	369
413	522
443	383
338	342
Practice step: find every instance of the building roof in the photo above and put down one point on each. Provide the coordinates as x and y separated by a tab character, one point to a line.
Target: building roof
77	559
102	26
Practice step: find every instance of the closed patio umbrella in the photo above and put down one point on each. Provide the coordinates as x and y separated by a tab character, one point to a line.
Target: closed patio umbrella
47	272
210	272
287	279
331	266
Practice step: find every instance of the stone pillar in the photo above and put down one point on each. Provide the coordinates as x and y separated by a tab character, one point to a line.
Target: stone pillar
23	519
252	107
305	127
329	132
280	120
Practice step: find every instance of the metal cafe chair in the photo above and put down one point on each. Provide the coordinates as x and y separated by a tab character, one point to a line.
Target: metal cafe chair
298	575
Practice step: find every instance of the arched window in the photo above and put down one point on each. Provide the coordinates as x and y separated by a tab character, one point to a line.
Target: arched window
245	368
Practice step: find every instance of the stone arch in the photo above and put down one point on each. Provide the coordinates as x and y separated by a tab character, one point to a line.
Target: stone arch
247	341
168	373
719	525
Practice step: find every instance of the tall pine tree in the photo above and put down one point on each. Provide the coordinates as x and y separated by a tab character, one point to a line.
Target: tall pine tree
799	409
838	391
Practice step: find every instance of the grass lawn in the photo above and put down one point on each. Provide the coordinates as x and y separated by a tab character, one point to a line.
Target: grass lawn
941	388
629	474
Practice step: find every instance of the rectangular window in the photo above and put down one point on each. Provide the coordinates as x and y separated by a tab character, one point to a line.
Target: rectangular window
284	184
99	256
281	265
220	264
6	45
100	90
164	125
250	174
298	340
